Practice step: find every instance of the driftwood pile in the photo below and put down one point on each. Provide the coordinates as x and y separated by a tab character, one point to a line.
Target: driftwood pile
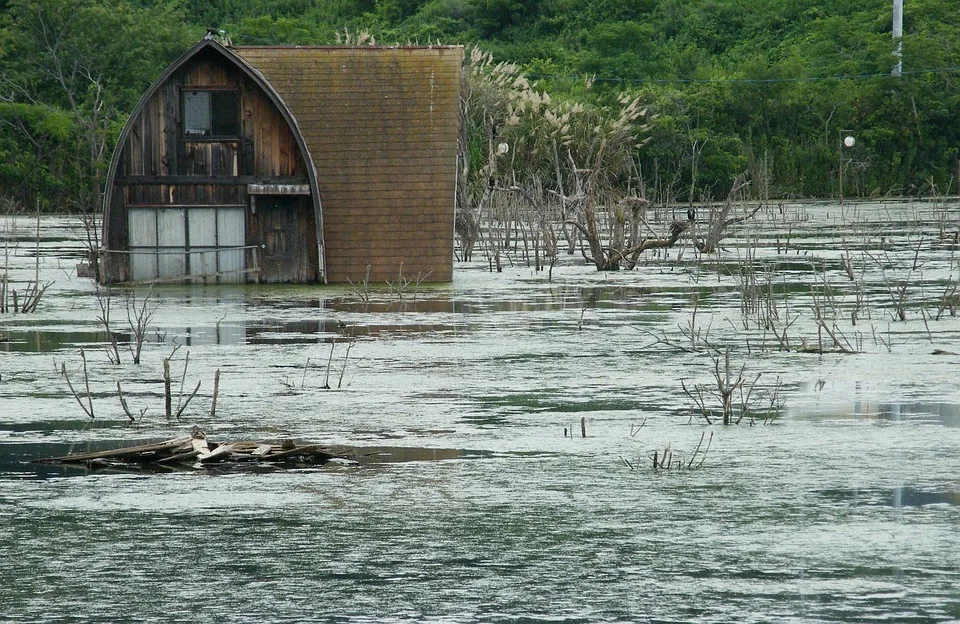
196	452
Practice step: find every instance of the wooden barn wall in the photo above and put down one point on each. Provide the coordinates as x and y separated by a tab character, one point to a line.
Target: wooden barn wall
265	148
381	124
157	164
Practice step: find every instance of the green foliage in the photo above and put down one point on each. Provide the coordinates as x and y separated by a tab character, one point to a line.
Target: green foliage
70	70
39	121
731	81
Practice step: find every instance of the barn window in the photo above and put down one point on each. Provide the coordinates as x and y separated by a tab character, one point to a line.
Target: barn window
211	114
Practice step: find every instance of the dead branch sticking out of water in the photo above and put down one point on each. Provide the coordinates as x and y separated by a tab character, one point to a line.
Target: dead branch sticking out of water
181	404
138	317
949	300
402	285
583	428
126	409
113	349
725	389
26	301
663	459
87	409
196	452
362	289
720	220
86	402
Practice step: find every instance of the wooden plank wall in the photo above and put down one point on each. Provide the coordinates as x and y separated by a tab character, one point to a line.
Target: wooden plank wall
266	147
381	124
155	149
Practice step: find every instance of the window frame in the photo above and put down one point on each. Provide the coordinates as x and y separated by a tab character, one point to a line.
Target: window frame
196	138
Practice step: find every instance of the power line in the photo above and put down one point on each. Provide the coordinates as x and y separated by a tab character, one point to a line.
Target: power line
916	72
937	70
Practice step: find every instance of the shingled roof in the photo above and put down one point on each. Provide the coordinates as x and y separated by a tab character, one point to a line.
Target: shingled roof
381	126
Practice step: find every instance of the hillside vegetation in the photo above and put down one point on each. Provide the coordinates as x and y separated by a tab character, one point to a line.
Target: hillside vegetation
766	88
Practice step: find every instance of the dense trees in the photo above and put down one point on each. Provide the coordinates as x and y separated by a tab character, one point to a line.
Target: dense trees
71	71
731	86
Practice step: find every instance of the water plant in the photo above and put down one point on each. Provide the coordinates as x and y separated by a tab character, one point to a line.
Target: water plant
667	459
26	300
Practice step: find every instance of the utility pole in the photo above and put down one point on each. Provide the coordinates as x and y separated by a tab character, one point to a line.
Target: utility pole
845	142
898	37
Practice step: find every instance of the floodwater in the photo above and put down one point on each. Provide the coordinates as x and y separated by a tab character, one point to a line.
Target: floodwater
836	498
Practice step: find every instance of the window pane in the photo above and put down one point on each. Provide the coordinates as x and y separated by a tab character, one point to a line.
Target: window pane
230	233
143	266
142	226
196	113
226	113
230	227
203	261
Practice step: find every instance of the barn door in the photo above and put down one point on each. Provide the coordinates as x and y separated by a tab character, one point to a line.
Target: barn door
281	238
198	241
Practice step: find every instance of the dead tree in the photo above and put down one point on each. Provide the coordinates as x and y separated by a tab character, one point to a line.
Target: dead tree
720	220
487	92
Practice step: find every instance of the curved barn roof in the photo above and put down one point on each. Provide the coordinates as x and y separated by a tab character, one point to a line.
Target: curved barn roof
209	43
377	128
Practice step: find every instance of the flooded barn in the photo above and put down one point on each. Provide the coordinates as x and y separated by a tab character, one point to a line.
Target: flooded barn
288	164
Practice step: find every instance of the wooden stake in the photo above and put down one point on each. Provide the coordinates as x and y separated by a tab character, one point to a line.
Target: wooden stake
583	426
168	408
216	389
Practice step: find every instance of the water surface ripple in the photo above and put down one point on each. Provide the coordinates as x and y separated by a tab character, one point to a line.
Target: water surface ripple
481	507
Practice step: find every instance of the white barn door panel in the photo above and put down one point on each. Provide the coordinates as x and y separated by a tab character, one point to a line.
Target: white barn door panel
195	241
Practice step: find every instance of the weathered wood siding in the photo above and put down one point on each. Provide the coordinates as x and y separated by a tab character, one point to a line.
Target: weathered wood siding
160	168
156	147
381	125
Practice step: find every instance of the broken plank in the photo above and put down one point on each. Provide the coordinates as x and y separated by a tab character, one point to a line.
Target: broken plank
313	450
120	453
178	457
219	453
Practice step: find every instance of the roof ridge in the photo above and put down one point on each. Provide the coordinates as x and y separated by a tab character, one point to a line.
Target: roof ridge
345	47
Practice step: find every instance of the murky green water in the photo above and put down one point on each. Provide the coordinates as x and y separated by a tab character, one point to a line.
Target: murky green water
845	508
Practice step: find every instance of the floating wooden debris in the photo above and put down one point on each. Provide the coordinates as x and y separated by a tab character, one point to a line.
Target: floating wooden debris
196	452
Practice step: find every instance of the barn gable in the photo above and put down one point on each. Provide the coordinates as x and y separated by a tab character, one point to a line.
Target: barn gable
221	170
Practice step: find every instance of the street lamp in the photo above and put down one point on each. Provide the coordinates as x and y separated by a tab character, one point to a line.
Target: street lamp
847	142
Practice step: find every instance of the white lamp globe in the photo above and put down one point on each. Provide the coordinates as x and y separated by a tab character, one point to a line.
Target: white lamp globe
849	141
503	148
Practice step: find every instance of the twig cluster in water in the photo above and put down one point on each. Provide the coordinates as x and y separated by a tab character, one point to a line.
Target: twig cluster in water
86	402
667	459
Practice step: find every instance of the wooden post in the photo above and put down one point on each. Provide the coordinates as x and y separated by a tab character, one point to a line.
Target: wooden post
897	30
583	426
166	388
216	389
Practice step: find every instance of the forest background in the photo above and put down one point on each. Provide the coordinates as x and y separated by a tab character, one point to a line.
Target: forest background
769	88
